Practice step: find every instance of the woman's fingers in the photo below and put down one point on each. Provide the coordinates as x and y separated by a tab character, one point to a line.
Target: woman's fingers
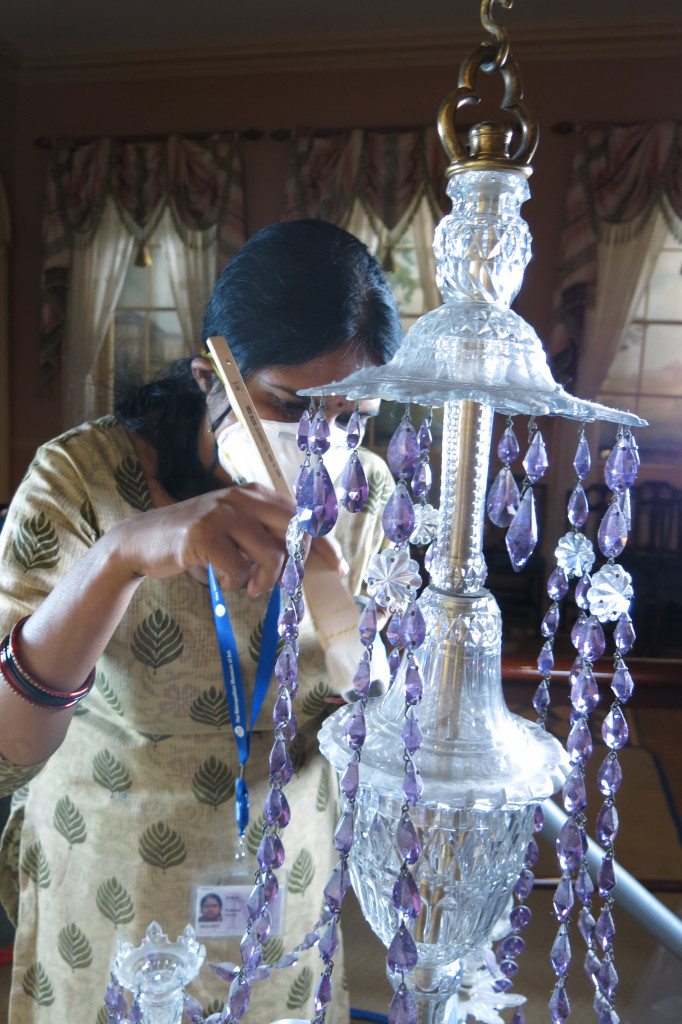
328	551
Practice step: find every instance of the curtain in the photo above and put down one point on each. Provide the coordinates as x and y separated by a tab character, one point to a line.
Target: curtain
97	275
197	181
192	262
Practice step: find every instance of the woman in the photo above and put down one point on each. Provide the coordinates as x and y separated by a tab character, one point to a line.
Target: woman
129	806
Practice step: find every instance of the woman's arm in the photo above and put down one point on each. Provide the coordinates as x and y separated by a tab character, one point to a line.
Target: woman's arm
240	531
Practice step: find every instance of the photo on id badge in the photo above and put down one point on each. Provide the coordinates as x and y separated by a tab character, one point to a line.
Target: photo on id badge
221	911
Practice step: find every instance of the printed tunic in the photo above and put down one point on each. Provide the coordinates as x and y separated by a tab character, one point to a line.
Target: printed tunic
137	805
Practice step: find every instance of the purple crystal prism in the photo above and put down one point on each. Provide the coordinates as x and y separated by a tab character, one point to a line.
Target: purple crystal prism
356	729
323	993
509	967
286	666
563	898
238	998
367	626
584	691
276	810
398	515
613	532
559	1006
624	634
362	678
317	506
402	953
550	623
535	461
252	952
532	853
394	662
291	577
520	917
422	479
411	734
591	965
524	884
586	925
541	698
337	887
403	1008
350	780
560	953
522	535
511	948
614	730
569	846
407	839
414	686
353	487
620	470
581	588
538	818
270	886
584	886
412	783
279	763
606	828
424	436
318	434
301	480
405	896
343	837
354	430
262	925
303	431
592	640
281	712
508	447
503	498
607	979
256	902
574	795
329	942
605	929
606	879
578	508
546	658
622	684
270	853
579	742
393	629
412	627
610	776
557	584
582	460
403	450
287	623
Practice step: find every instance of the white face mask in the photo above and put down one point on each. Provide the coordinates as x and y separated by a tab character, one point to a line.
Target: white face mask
239	456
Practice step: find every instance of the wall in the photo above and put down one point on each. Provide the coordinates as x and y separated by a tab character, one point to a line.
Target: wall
589	90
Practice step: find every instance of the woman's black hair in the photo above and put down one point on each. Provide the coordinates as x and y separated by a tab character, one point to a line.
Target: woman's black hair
296	290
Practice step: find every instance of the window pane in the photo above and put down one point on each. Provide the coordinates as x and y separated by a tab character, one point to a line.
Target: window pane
404	279
137	288
662	372
660	441
665	290
624	371
129	348
166	343
161	288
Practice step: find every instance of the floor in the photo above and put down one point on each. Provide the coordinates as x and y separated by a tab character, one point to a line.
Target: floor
650	990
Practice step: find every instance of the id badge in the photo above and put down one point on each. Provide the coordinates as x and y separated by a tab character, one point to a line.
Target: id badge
220	911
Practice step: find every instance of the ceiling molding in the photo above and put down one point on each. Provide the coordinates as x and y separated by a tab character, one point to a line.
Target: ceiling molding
389	50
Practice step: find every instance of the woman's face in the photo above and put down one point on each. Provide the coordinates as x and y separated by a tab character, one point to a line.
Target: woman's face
274	388
210	909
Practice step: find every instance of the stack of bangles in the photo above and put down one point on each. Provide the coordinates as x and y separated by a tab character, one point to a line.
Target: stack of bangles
30	689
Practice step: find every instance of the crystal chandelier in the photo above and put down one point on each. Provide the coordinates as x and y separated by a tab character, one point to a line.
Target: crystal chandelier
441	785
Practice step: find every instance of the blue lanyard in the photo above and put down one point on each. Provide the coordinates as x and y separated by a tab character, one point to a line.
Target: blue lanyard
234	684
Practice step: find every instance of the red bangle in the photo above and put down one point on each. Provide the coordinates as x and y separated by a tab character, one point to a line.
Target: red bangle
66	695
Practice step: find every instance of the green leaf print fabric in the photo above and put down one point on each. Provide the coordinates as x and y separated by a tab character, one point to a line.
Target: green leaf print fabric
136	807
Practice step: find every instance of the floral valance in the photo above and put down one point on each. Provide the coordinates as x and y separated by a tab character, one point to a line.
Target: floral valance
198	180
620	176
388	172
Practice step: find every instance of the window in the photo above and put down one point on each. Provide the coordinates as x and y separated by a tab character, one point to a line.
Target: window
646	374
144	335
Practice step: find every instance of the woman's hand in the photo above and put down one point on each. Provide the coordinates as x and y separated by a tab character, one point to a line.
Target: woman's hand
240	531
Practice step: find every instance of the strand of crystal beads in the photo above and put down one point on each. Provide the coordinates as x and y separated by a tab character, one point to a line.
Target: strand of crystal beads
426	516
354	489
115	1002
522	534
317	507
609	598
503	498
512	946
